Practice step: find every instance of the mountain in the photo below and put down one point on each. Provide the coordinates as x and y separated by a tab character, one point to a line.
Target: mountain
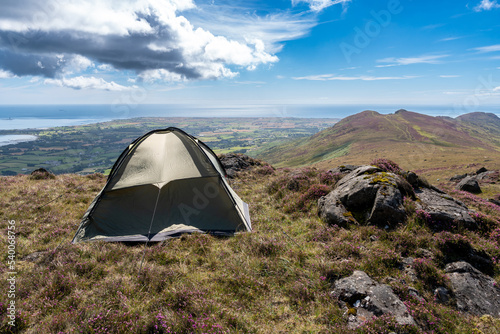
408	137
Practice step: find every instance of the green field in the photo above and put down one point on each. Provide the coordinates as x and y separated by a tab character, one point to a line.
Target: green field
95	147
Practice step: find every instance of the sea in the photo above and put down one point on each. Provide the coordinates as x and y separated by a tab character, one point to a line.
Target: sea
46	116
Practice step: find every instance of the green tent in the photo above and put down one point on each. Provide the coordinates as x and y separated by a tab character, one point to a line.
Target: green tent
164	184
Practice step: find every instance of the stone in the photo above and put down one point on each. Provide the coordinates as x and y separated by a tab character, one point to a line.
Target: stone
470	185
344	169
444	209
333	212
374	196
442	295
494	201
458	177
387	207
235	162
475	293
369	298
481	170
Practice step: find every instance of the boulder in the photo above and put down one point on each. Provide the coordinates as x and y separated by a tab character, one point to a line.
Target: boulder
475	293
470	185
369	298
375	197
41	174
444	210
235	162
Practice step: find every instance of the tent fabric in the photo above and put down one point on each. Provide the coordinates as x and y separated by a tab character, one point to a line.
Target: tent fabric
164	184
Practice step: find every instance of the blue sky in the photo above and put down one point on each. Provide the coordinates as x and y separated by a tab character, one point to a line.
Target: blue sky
214	52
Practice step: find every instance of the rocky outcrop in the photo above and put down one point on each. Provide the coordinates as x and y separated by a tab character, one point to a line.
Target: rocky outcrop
41	174
235	162
443	209
469	184
365	298
366	195
472	182
474	292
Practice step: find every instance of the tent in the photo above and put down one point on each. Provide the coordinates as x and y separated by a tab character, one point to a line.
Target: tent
164	183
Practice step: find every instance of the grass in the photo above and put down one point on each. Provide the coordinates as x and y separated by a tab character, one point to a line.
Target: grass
275	279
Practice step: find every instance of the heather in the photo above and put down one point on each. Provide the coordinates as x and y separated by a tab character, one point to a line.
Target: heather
278	278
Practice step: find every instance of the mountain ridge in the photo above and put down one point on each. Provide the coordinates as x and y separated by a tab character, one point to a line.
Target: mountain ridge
370	133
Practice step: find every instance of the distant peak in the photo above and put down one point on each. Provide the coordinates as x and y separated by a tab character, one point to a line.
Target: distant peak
401	111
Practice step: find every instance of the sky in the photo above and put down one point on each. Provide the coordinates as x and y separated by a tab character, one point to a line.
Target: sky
252	52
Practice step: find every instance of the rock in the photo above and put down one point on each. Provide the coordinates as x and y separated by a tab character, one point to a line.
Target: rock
376	197
443	209
494	201
470	185
235	162
458	177
41	174
344	169
387	207
408	270
488	176
370	299
334	212
475	292
422	252
442	295
481	170
414	293
413	179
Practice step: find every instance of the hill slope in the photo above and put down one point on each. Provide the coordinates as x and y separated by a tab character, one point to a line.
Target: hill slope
404	136
277	279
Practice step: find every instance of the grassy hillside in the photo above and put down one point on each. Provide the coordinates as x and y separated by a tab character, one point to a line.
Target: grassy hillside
276	279
413	139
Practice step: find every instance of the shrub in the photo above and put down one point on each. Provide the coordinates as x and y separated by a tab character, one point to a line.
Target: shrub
329	178
430	275
387	165
484	222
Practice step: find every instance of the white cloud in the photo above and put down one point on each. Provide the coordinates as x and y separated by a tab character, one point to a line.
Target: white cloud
77	64
6	74
105	67
449	76
241	24
452	38
424	59
486	5
319	5
328	77
149	37
88	83
489	48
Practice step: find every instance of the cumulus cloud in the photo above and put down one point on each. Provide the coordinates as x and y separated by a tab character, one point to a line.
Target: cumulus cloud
319	5
5	74
54	39
81	82
425	59
486	5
